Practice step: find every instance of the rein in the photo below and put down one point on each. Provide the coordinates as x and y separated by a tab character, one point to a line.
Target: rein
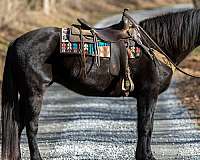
139	28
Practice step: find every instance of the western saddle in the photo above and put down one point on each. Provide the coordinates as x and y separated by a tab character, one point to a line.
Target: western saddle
112	33
120	35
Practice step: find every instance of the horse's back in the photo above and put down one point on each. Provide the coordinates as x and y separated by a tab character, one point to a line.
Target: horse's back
37	38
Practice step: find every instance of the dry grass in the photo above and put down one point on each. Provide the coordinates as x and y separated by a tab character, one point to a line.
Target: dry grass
188	89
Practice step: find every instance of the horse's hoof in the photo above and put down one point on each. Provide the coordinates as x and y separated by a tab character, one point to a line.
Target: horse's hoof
151	157
38	157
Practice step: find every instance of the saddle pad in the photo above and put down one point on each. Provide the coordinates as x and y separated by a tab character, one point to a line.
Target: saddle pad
68	46
70	43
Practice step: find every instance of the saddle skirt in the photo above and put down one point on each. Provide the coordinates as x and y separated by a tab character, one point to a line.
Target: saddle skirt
83	42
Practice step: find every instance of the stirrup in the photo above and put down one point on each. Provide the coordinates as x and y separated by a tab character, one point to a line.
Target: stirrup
127	83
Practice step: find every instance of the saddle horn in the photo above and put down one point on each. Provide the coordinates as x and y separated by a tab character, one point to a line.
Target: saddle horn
125	20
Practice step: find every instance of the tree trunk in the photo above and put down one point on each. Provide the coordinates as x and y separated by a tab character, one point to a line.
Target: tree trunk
46	7
53	5
196	3
31	4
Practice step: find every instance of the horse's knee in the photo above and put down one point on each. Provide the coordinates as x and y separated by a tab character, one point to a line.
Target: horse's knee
33	108
35	100
32	126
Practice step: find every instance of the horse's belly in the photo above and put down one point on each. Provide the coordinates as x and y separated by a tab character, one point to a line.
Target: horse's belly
97	81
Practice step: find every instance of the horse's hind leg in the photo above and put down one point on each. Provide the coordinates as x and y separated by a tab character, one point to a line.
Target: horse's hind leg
21	121
22	118
32	113
33	101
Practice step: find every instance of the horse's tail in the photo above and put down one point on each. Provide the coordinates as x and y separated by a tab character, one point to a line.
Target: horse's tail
9	110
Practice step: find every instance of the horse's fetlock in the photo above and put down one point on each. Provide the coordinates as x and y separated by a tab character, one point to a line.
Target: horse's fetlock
144	133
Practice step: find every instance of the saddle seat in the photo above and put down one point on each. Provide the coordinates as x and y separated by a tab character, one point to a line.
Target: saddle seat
112	33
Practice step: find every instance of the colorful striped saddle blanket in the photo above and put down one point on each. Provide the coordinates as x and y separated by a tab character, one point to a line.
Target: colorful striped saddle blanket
75	41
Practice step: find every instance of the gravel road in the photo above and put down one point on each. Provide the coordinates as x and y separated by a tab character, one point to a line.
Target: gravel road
75	127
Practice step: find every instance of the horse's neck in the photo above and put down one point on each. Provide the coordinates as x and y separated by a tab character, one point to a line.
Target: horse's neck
177	35
179	53
186	45
181	45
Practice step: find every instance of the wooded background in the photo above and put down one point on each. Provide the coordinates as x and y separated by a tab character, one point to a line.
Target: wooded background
196	3
10	9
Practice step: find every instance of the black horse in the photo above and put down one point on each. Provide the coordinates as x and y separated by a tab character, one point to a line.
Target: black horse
32	62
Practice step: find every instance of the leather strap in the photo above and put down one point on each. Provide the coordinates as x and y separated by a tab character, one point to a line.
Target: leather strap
160	57
157	46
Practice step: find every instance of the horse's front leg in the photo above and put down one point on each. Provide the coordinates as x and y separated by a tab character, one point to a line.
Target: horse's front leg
146	103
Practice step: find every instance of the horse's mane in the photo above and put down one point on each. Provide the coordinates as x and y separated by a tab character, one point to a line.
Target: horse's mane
175	33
